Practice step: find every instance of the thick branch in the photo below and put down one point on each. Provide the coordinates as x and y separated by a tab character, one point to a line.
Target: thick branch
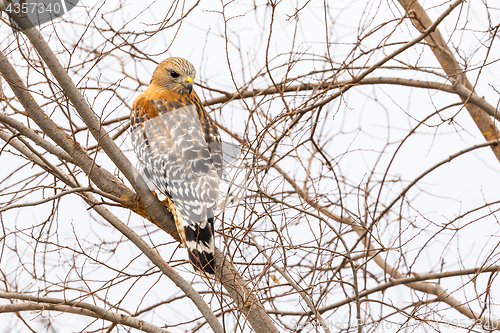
243	295
450	65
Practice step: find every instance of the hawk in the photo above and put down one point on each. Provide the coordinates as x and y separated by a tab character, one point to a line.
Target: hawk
179	150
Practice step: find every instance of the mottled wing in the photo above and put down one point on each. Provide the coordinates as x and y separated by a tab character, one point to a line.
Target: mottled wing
212	137
179	149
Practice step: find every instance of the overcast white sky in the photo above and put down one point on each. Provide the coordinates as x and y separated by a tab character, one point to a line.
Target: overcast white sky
368	118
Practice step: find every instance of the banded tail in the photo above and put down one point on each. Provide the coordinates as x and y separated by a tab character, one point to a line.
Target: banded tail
199	240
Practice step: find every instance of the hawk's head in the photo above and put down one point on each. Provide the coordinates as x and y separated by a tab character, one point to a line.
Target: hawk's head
175	74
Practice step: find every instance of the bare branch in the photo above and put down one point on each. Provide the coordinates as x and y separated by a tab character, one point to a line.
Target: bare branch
38	303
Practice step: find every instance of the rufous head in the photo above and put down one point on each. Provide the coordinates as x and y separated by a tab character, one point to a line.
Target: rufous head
175	74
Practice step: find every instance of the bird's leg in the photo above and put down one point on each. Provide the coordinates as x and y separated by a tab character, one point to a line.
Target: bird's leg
167	202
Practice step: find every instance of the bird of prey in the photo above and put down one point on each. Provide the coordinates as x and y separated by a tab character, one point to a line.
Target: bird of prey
179	150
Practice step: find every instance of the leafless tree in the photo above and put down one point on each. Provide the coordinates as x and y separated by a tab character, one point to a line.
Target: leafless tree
363	195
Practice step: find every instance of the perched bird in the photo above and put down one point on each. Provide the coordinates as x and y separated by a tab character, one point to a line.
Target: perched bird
179	149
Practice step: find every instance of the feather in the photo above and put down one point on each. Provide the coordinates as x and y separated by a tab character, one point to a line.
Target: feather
179	148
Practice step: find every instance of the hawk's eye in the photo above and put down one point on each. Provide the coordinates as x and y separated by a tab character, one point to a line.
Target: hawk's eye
174	74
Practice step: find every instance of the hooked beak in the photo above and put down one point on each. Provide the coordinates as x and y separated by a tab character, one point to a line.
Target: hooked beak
189	84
